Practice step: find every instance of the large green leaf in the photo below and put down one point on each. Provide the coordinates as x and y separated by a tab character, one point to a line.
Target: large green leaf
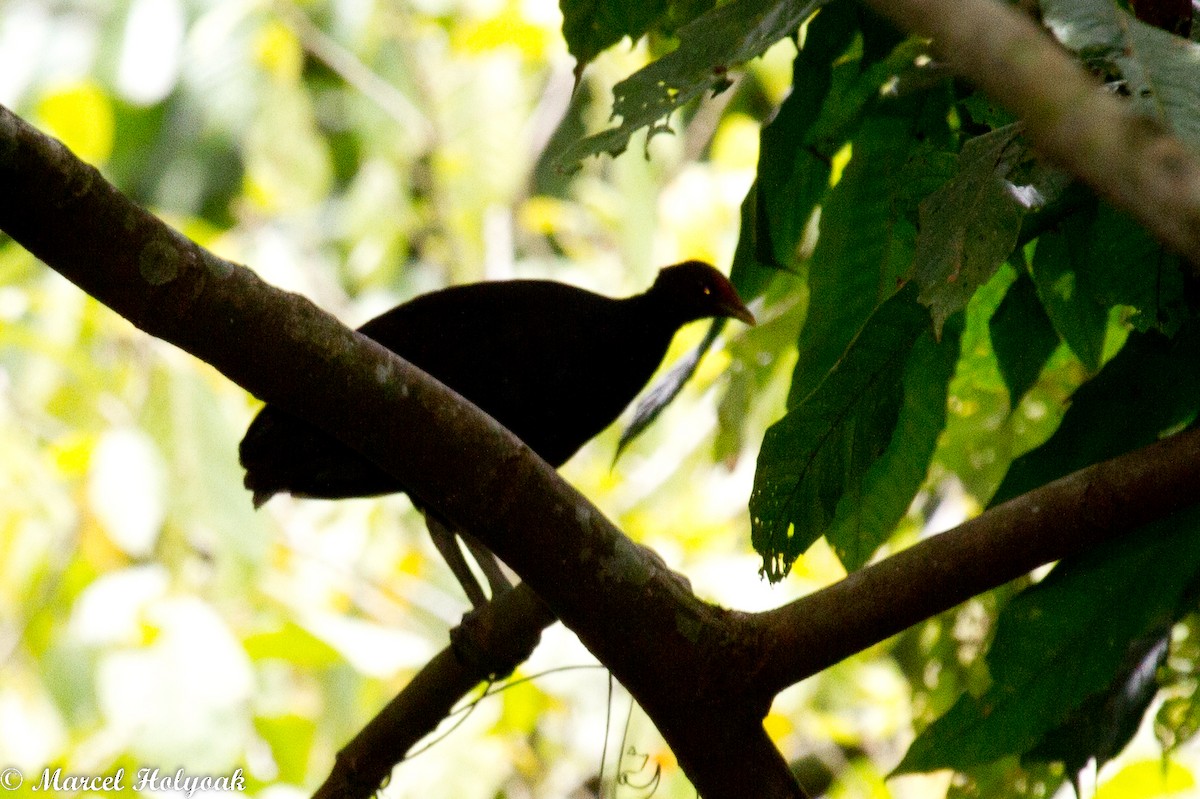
1107	720
708	45
821	450
1161	71
866	242
1022	337
1062	641
1126	266
868	515
792	178
1060	273
798	146
968	226
1150	387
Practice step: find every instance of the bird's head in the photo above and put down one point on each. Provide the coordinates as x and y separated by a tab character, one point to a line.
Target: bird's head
696	290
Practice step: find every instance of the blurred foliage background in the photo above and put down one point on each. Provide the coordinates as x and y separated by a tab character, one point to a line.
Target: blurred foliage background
363	152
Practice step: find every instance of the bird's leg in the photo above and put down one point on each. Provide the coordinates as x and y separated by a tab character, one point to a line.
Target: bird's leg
447	544
488	563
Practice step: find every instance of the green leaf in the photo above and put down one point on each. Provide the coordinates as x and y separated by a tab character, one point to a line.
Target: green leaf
708	45
1107	720
1063	640
752	272
793	178
1161	71
1152	386
592	26
968	226
1060	274
865	244
1127	266
797	147
864	520
1022	337
821	450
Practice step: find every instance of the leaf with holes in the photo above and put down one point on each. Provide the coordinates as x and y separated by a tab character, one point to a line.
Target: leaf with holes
592	26
822	449
866	519
708	45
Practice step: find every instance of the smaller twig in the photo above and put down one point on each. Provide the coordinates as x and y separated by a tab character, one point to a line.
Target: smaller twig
491	689
357	74
509	626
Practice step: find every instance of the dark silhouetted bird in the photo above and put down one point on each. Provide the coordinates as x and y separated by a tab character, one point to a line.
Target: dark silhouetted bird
553	363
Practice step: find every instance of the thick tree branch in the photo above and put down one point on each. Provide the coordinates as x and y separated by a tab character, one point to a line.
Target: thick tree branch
1073	122
1062	518
672	651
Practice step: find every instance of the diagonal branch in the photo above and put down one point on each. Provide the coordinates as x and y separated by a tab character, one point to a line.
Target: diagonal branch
672	651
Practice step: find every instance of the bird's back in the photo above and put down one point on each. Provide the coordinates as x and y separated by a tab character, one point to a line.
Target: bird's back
553	363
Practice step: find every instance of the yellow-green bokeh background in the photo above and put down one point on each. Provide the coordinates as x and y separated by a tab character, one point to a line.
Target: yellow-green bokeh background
360	153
